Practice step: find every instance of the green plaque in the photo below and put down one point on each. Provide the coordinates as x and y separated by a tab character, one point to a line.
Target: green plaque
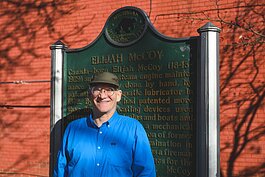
158	78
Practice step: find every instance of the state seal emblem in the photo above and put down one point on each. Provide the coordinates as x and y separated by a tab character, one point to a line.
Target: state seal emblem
125	26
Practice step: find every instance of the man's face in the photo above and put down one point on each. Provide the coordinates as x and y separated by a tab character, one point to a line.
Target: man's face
105	98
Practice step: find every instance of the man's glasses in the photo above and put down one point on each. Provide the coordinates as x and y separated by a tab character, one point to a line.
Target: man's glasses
98	90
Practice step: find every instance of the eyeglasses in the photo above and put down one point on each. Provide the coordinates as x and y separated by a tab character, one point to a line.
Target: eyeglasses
98	90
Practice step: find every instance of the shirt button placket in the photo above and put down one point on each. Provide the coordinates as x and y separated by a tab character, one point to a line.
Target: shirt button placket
99	153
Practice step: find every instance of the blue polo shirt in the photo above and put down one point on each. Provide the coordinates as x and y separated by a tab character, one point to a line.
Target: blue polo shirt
119	148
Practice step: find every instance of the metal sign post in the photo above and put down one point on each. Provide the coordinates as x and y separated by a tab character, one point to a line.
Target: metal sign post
208	97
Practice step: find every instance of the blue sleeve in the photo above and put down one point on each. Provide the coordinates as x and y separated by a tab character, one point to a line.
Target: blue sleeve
143	162
60	167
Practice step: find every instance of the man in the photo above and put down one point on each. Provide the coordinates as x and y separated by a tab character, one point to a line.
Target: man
105	144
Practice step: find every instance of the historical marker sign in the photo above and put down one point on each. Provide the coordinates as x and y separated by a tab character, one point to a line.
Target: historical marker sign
159	83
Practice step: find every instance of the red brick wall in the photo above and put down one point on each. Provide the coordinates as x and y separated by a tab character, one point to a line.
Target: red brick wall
28	28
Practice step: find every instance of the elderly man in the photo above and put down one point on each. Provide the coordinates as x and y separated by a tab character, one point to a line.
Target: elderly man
105	143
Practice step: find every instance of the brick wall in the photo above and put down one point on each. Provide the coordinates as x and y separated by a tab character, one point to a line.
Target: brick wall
29	28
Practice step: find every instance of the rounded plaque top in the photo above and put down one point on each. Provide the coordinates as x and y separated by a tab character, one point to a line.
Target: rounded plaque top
125	26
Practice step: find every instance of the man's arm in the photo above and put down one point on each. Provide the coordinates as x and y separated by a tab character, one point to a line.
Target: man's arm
143	162
60	167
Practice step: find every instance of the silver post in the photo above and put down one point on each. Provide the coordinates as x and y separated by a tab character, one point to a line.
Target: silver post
57	56
56	87
208	164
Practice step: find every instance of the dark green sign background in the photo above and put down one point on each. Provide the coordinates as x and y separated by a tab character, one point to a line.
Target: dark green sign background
157	75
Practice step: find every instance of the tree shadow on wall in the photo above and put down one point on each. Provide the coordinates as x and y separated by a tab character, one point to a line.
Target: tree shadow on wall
243	88
22	26
21	23
242	81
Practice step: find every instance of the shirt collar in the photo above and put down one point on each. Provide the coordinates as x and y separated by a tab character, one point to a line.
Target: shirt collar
111	121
